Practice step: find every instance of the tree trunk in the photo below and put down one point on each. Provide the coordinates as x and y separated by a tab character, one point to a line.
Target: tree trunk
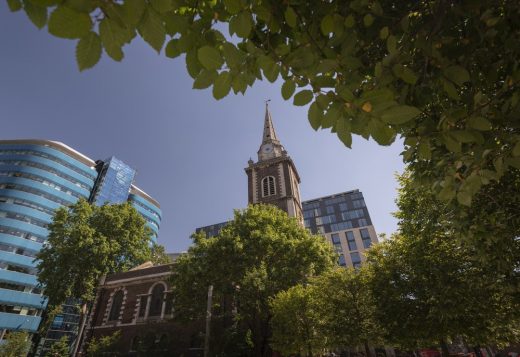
83	321
444	348
367	349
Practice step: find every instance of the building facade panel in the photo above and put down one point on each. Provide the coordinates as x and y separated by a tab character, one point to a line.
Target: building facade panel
36	178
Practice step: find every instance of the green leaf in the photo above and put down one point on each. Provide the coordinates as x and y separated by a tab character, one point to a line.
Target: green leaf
152	29
463	136
391	44
222	85
239	83
269	67
447	193
400	114
344	133
192	64
14	5
451	144
88	51
350	21
457	74
479	123
37	14
288	88
450	89
234	57
327	25
383	33
161	6
464	198
368	20
233	6
172	49
381	132
85	6
209	57
133	11
513	161
290	17
112	37
315	114
516	149
67	23
243	24
331	117
303	97
408	76
424	150
205	79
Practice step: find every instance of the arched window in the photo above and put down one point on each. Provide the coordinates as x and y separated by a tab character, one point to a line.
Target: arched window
115	309
157	300
268	186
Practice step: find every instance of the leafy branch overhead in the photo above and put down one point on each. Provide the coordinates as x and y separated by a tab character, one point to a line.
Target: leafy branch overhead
441	74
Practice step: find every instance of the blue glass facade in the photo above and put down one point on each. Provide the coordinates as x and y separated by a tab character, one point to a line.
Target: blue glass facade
37	177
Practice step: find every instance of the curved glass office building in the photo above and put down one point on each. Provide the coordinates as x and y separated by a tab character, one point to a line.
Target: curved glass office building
36	177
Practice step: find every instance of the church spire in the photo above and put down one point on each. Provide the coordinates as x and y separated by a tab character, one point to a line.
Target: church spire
269	133
270	147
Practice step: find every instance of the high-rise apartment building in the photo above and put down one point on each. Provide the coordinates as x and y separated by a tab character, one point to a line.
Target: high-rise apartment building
342	218
36	178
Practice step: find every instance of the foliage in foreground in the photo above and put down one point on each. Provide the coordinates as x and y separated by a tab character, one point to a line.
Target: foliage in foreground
257	255
443	74
16	344
85	242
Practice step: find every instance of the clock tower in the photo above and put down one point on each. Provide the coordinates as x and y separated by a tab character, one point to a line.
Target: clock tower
273	179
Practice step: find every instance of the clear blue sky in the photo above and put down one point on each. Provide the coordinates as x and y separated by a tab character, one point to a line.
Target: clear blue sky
189	149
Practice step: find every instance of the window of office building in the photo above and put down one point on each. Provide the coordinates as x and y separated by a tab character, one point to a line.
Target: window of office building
356	259
335	238
330	209
365	237
362	222
351	241
358	203
341	260
341	226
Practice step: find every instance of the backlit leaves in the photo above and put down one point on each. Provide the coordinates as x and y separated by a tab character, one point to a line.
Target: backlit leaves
303	97
152	29
88	51
67	23
209	57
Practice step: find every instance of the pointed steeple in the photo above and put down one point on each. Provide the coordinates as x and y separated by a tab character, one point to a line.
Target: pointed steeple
271	146
269	133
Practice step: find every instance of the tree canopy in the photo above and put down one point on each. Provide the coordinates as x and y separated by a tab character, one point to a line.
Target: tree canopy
85	242
429	286
442	74
16	344
257	255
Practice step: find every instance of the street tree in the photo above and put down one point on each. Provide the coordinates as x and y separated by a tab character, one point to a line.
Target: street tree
335	311
296	322
257	255
429	287
441	74
16	344
86	242
347	309
61	348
